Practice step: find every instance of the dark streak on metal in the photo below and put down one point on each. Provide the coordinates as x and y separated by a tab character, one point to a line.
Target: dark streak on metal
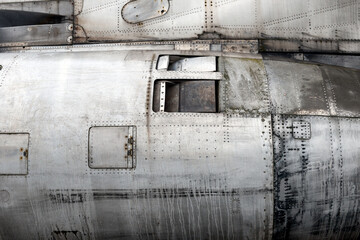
79	196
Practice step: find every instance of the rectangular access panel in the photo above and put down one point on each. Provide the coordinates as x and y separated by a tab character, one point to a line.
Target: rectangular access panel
14	153
112	147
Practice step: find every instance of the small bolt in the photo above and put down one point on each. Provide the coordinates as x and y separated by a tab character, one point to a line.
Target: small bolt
69	39
70	27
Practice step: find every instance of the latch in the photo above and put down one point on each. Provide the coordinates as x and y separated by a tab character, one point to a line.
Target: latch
301	130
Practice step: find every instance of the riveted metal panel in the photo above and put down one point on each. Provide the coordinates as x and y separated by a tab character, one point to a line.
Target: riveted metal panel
347	61
242	19
195	174
315	185
344	89
244	88
296	88
201	64
183	20
111	147
62	7
301	130
46	34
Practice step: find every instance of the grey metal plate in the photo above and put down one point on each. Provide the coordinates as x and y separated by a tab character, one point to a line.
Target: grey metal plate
296	88
14	153
143	10
54	34
309	89
344	86
308	45
347	61
163	62
198	96
188	165
301	130
61	7
244	88
337	60
242	19
111	147
201	64
317	179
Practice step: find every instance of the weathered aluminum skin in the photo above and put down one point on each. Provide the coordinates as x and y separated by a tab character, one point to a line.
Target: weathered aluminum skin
242	173
348	61
315	122
309	89
24	23
316	192
56	34
279	25
294	21
194	176
61	7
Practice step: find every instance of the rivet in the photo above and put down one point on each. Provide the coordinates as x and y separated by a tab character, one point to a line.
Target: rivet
70	27
69	39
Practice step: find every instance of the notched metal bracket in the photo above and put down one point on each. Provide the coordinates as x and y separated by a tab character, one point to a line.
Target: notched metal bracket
137	11
301	130
36	23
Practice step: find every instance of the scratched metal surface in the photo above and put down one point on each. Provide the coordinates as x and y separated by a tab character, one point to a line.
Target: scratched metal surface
197	175
348	61
194	178
241	19
310	89
316	188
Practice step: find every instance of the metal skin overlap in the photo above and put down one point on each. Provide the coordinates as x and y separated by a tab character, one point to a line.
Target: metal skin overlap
245	171
181	119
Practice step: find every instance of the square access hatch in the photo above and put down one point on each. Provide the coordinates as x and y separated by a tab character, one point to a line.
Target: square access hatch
14	153
112	147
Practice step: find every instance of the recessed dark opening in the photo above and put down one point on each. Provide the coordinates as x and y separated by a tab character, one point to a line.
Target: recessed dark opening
198	96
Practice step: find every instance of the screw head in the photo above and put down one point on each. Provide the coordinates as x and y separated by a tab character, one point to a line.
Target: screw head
69	39
70	27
